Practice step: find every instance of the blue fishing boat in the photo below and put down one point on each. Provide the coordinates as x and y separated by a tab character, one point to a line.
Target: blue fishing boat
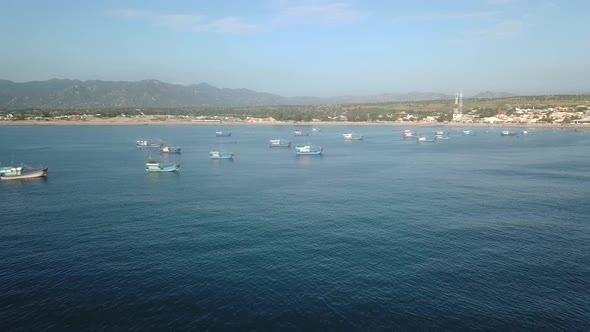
222	134
145	144
279	143
215	154
351	137
308	150
22	171
155	166
169	149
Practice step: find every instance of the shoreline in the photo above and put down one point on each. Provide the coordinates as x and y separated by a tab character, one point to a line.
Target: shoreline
142	122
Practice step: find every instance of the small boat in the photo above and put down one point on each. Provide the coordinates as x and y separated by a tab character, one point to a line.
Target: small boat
424	139
215	154
408	134
145	144
300	133
467	133
279	143
526	132
440	135
169	149
315	130
155	166
222	134
507	133
308	149
22	171
348	136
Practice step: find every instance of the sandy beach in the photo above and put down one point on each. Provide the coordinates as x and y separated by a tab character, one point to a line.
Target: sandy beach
174	122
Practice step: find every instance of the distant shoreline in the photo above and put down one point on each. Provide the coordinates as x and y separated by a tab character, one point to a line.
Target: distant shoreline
143	122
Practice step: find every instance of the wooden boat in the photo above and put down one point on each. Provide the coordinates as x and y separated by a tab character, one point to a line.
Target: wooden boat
408	134
155	166
348	136
300	133
215	154
169	149
145	144
424	139
507	133
308	150
22	171
279	143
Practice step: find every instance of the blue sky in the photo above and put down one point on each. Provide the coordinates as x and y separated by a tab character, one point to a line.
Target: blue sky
304	47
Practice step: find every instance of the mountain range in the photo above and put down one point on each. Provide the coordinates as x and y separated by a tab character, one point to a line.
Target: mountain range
68	94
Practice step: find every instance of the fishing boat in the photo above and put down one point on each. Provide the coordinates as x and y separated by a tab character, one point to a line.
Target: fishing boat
440	135
300	133
308	150
145	144
507	133
169	149
22	171
349	136
408	134
279	143
315	130
215	154
467	133
222	134
424	139
161	166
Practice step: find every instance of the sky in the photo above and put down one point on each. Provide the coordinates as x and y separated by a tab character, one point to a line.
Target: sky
305	47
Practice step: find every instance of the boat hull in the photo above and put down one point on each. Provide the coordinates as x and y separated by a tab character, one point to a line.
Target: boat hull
170	149
170	168
279	144
31	175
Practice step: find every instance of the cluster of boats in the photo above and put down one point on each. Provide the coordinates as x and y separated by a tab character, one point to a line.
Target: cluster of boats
420	138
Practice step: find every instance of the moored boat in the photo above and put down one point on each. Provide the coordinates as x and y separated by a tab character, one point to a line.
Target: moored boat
215	154
155	166
424	139
408	134
300	133
169	149
145	144
308	150
222	134
22	171
349	136
507	133
279	143
467	133
440	135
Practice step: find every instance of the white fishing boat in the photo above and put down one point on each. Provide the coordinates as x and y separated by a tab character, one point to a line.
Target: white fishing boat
22	171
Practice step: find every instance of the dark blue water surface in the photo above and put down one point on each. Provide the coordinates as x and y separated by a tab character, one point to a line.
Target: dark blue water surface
475	233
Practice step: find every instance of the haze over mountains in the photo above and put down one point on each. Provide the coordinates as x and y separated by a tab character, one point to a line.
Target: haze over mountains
65	93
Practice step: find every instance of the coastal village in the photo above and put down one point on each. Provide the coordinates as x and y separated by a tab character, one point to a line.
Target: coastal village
557	115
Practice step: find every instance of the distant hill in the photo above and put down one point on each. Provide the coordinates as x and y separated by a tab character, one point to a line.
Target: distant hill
492	95
64	93
68	94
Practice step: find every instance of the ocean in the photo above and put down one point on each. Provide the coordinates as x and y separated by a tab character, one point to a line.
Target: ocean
477	232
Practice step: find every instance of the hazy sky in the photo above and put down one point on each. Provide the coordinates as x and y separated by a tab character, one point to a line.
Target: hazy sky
304	47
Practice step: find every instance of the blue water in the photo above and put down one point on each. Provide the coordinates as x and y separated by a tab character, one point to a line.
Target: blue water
475	233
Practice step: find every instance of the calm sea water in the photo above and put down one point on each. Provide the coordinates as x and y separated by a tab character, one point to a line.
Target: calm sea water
475	233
